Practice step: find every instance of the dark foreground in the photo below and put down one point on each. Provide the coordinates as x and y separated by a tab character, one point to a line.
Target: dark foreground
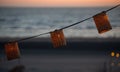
80	55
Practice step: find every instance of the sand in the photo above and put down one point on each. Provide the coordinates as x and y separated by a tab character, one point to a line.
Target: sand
99	44
79	55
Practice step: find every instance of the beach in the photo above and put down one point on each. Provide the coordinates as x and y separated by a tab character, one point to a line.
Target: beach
79	55
86	50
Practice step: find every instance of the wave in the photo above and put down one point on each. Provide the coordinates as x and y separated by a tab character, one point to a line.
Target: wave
27	22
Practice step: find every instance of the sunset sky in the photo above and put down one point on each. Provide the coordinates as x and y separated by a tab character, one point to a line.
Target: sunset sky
57	3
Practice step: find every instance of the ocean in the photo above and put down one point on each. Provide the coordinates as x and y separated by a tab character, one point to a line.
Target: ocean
25	22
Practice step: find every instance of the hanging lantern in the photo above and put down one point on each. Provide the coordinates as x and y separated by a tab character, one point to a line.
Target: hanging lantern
102	22
12	50
58	38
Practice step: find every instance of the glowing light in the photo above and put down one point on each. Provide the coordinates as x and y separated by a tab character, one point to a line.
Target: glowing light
102	22
112	54
117	55
57	38
12	50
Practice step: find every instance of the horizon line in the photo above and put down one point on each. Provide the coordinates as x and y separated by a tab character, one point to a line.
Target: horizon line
54	6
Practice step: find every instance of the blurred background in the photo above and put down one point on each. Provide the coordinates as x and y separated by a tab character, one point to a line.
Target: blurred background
86	49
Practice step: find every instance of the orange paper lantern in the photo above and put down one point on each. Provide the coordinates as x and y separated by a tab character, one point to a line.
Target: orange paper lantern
12	50
58	38
102	22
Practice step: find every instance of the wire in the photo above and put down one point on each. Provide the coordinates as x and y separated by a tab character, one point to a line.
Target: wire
112	8
65	26
76	23
89	17
30	37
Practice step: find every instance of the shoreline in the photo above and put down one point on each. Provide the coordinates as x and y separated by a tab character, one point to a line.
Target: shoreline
73	39
73	44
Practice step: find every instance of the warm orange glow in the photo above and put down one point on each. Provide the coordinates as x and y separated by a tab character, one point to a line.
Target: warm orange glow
112	54
12	50
58	3
102	22
57	38
117	55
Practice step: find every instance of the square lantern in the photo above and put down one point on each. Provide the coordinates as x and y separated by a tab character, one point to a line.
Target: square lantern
12	50
102	22
58	38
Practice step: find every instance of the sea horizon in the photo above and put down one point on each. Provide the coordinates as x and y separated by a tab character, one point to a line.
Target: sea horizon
26	22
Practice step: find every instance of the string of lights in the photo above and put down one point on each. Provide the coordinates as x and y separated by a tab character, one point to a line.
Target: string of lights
57	36
66	26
